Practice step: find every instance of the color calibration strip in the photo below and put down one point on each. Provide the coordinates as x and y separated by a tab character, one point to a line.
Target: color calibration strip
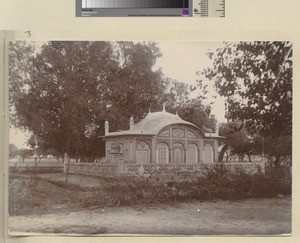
135	4
150	8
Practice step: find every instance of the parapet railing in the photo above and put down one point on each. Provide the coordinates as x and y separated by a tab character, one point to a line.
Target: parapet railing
123	168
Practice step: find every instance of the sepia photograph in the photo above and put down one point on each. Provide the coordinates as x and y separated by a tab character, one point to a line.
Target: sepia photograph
164	138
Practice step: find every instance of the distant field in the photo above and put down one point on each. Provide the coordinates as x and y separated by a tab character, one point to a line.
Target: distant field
46	162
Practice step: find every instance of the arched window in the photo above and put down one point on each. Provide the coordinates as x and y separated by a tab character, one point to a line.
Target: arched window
162	153
208	154
191	154
143	153
178	153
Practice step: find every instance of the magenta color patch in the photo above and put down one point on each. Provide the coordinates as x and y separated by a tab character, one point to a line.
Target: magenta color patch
185	12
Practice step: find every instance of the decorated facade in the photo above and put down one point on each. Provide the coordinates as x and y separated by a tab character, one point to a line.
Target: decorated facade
161	138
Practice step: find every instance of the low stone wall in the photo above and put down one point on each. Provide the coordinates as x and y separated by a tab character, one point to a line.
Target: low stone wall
199	169
161	169
94	169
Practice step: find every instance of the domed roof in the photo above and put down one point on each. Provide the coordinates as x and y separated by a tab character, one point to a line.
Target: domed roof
153	123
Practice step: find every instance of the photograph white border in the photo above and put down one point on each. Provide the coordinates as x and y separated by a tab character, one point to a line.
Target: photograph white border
244	21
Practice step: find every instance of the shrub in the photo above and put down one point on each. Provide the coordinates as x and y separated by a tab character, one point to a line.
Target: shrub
240	185
216	184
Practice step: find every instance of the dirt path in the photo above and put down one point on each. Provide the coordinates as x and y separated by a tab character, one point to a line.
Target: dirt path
252	216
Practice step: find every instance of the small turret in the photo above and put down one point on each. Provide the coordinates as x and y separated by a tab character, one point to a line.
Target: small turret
106	126
164	106
131	123
217	129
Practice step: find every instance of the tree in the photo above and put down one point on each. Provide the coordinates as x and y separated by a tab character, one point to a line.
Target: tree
241	140
20	62
65	90
241	144
256	79
194	112
176	93
278	150
177	97
13	149
238	141
136	86
25	153
39	151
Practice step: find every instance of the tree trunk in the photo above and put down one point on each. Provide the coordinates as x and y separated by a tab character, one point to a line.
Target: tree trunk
227	156
221	155
276	162
67	170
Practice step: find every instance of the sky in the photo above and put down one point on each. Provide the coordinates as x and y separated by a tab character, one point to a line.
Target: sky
181	60
18	137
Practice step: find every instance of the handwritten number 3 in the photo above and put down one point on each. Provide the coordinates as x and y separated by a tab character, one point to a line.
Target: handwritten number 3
28	33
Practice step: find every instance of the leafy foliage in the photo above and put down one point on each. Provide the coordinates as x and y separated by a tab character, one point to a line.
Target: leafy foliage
238	141
13	150
256	79
64	92
241	141
177	98
25	153
278	150
137	191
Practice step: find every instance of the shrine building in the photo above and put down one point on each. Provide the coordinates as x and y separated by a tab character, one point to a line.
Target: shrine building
161	138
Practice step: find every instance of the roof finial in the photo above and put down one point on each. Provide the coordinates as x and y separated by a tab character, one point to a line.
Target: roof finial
217	128
164	106
176	113
149	110
131	123
106	126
